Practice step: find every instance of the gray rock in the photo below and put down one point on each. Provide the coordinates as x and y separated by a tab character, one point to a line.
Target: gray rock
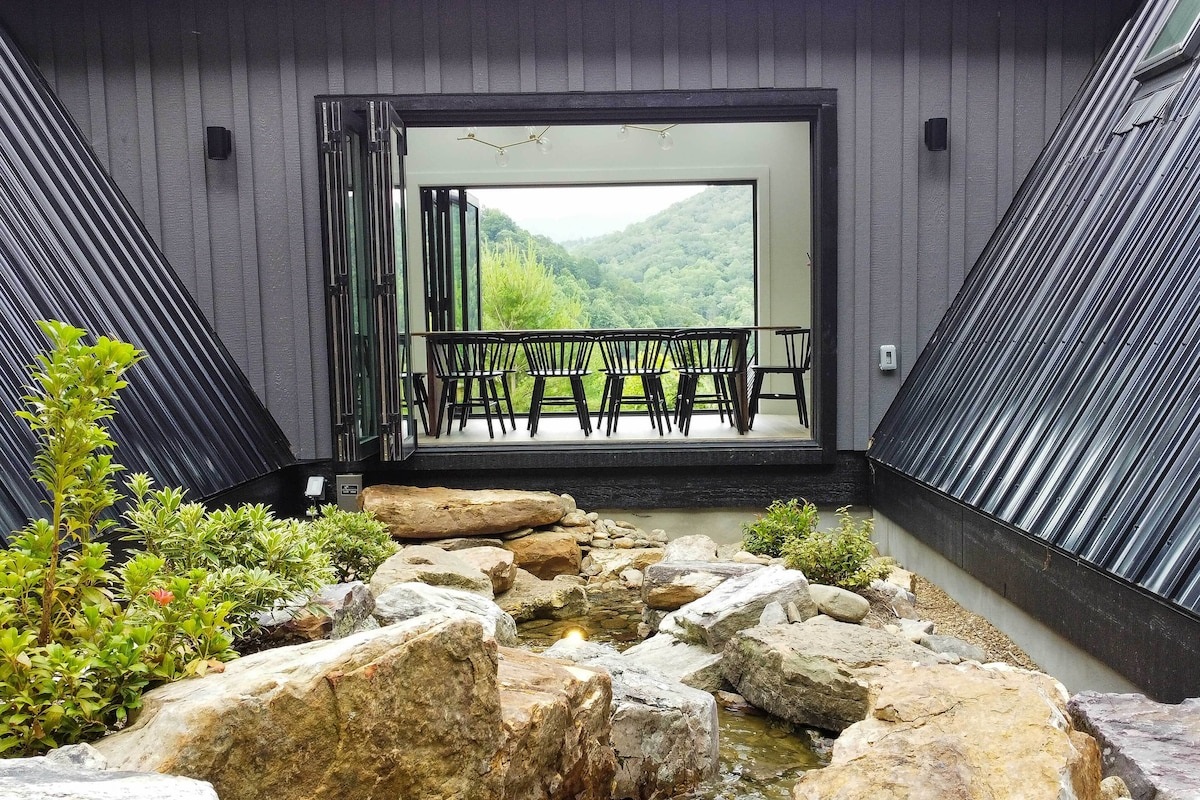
842	605
689	664
520	533
73	776
463	543
915	629
737	604
953	645
404	601
690	548
663	732
1153	747
431	565
349	607
773	614
533	598
672	584
816	673
793	613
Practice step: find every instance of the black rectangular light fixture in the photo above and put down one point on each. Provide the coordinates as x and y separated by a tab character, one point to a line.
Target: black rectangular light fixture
936	133
218	142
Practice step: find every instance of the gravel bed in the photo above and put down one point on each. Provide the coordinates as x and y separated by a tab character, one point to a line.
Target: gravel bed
953	620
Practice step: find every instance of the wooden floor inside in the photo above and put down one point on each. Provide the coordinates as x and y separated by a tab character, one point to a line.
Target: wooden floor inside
632	428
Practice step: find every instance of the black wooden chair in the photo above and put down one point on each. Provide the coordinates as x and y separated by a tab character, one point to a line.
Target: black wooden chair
468	362
502	355
634	355
711	352
419	398
797	343
558	355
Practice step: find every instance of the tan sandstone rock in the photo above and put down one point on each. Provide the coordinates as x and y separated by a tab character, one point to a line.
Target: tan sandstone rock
960	733
412	512
547	554
434	566
495	562
533	598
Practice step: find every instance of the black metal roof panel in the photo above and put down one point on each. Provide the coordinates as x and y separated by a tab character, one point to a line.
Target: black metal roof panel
71	248
1061	392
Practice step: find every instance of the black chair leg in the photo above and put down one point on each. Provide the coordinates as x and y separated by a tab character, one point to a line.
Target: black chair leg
535	404
735	409
801	402
421	400
614	405
754	397
507	401
581	409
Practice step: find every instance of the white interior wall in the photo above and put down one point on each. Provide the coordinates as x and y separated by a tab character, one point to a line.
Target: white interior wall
776	155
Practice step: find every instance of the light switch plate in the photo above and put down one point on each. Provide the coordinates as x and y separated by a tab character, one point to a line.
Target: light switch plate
887	357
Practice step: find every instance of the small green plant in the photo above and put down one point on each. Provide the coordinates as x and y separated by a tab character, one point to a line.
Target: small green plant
242	556
74	660
783	522
355	541
842	557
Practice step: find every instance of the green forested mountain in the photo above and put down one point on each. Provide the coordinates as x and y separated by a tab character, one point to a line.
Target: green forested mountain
691	264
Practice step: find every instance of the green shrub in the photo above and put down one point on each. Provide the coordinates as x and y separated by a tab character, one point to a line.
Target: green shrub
242	556
73	660
783	522
355	542
842	557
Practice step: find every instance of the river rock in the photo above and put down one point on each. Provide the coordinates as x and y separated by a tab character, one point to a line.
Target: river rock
464	543
664	733
1113	788
689	664
546	554
533	598
412	512
496	563
575	519
612	563
320	720
841	604
431	565
817	673
557	725
736	605
953	646
697	547
960	732
404	601
78	772
1154	747
672	584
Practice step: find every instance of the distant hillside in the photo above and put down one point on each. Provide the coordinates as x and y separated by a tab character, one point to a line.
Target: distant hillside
690	264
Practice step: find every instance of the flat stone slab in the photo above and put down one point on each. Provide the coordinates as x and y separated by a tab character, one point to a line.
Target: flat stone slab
54	776
404	601
671	585
412	512
533	598
690	664
425	564
1154	747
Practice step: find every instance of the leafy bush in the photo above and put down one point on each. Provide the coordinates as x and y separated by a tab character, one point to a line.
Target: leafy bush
242	556
74	661
842	557
355	542
783	522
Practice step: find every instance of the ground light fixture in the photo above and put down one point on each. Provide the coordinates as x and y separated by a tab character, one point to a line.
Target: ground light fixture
314	491
665	140
533	136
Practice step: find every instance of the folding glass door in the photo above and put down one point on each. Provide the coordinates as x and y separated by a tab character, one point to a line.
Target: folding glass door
450	226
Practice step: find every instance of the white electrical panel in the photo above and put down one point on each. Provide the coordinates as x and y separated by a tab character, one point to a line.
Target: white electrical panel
887	357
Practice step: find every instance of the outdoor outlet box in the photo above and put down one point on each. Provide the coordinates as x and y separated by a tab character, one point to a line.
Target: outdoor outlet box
887	357
349	487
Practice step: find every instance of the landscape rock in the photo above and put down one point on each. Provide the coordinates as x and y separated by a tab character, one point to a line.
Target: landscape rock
670	585
632	578
690	548
1113	788
742	557
575	519
517	534
464	543
817	673
412	512
80	774
533	598
966	732
1154	747
953	646
793	612
690	664
773	614
612	563
623	542
333	612
496	563
841	604
405	601
902	578
915	629
431	565
546	554
664	733
736	605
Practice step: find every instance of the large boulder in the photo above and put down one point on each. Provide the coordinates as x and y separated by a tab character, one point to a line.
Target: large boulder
412	512
79	772
816	673
411	710
696	547
495	562
1154	747
533	598
690	664
960	733
669	585
664	734
404	601
546	554
737	604
556	723
434	566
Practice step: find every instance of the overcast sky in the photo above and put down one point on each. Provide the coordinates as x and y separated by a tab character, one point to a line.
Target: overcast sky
578	212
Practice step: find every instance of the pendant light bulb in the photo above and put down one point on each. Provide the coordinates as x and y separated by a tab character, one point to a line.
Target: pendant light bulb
665	141
544	144
502	157
623	133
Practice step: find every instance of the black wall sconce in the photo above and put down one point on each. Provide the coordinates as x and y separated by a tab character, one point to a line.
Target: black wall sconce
218	142
937	133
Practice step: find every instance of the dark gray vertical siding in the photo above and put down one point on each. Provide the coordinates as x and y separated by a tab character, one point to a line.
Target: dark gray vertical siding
143	77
